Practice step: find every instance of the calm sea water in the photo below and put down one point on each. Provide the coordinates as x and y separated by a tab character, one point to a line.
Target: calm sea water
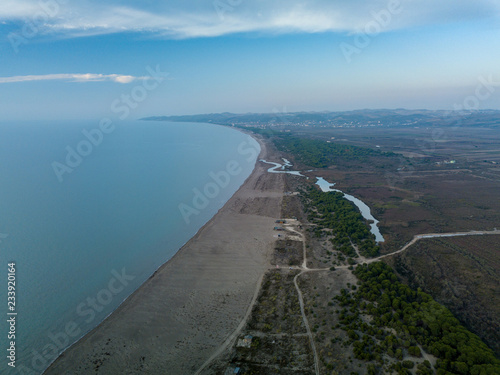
85	233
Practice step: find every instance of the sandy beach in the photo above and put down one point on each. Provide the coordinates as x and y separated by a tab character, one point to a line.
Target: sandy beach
180	316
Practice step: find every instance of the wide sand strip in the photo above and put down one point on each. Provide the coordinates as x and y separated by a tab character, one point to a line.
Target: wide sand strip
186	310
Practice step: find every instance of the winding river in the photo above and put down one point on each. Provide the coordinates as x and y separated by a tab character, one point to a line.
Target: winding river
281	167
363	207
326	186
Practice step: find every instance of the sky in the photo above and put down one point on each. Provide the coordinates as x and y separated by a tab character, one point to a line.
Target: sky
88	59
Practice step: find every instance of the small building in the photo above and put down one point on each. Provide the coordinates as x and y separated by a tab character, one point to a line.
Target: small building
232	370
245	342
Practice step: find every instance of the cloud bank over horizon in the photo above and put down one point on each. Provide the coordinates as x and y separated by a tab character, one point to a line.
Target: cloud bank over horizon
179	19
246	55
88	77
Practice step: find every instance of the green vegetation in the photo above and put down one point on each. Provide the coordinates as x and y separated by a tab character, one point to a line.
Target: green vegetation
320	154
332	211
419	322
468	269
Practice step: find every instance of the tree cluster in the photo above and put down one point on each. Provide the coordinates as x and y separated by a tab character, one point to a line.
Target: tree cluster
419	322
321	154
332	211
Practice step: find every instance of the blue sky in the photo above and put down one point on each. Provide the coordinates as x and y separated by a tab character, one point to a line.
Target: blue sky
63	59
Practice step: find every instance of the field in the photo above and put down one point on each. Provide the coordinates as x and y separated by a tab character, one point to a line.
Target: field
429	179
445	180
416	180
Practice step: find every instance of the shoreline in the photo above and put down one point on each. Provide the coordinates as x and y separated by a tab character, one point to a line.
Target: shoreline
262	146
183	322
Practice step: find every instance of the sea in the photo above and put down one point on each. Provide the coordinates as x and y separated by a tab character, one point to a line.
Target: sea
89	210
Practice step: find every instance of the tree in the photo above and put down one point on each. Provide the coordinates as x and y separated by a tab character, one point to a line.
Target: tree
415	351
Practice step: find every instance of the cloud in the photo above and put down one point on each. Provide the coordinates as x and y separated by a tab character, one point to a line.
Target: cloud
89	77
208	18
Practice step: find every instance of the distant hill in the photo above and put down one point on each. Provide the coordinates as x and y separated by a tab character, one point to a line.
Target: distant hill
358	118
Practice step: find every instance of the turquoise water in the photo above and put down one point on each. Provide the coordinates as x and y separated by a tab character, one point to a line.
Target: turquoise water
86	232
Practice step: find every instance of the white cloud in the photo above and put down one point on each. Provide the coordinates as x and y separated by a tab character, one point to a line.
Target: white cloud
89	77
205	18
10	9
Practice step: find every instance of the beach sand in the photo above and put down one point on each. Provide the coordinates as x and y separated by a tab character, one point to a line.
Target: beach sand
180	316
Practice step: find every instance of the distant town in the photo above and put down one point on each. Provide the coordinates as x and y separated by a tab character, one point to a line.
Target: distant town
349	119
